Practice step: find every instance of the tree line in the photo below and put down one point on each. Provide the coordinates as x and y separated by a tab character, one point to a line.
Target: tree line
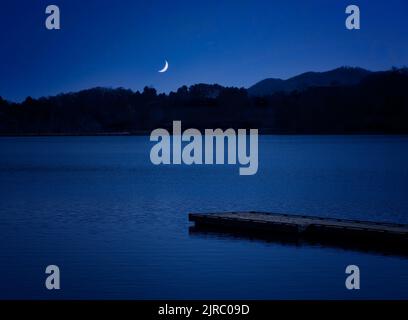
378	104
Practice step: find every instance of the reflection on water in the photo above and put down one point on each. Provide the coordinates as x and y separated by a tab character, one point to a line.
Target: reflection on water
399	248
117	225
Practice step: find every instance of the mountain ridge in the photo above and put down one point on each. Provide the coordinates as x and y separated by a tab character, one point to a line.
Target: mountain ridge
335	77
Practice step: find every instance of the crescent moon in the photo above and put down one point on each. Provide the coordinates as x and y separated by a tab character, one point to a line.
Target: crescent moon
166	66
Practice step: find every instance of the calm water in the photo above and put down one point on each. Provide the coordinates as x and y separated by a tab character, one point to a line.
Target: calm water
117	227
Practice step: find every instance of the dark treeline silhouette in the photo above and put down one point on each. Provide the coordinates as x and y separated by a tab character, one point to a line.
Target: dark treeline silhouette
376	104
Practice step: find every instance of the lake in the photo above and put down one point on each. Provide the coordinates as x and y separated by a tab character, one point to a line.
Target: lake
117	225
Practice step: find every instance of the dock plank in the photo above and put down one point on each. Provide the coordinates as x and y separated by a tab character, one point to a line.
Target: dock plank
300	223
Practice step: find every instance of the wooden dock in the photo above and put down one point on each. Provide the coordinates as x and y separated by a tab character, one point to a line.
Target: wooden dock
339	232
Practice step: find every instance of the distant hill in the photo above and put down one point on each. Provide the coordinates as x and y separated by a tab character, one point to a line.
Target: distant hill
343	76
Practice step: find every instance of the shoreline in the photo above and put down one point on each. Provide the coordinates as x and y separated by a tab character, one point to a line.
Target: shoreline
147	133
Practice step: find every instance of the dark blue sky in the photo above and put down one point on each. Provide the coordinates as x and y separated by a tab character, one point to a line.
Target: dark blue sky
237	43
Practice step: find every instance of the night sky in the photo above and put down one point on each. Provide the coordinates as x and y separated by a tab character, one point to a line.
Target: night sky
235	43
